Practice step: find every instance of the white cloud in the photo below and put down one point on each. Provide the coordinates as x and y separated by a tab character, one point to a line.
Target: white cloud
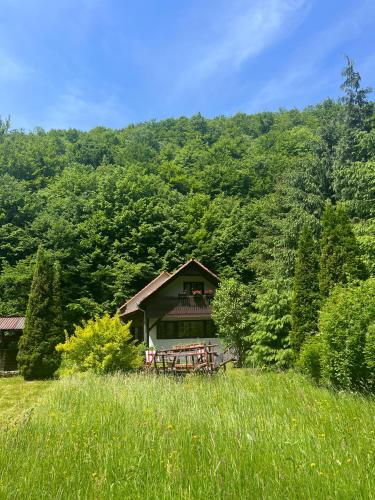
247	29
73	110
10	69
304	74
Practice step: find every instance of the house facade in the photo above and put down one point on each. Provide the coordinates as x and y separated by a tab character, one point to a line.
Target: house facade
174	308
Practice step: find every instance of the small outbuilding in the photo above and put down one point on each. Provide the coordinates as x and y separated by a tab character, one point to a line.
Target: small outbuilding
11	328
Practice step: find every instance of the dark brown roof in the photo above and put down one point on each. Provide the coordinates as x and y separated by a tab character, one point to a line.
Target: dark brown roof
12	322
163	279
132	304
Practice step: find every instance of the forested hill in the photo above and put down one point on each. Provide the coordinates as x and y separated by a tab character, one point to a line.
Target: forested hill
118	206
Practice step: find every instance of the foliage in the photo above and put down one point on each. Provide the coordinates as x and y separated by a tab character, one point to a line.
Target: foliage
103	345
232	312
116	207
37	358
310	358
270	342
357	108
369	353
306	296
340	260
346	325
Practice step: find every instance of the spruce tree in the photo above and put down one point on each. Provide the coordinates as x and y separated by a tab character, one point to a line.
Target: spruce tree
306	295
358	109
340	260
37	357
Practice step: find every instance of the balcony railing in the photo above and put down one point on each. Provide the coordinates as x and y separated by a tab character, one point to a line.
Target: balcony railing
182	305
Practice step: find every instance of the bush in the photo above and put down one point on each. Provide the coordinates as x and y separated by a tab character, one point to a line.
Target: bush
370	354
347	331
232	312
102	345
310	359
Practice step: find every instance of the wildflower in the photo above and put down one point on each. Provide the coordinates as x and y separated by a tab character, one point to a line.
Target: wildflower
170	427
312	465
349	460
194	437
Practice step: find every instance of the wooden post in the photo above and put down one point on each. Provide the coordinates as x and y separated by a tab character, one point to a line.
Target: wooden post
146	329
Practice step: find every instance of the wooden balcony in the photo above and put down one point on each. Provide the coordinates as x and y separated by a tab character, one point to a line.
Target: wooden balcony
182	305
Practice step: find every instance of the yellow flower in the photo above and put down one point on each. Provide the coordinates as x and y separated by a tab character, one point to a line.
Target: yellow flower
194	437
349	460
312	465
170	427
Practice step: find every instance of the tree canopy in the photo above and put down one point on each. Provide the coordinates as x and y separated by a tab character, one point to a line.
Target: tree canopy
115	207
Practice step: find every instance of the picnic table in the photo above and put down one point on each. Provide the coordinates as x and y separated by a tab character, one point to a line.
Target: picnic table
188	358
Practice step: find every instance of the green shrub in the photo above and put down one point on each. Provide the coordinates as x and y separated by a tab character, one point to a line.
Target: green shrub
348	335
370	354
103	345
232	311
310	358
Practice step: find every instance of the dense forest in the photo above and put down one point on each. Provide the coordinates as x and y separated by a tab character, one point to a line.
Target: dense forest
115	207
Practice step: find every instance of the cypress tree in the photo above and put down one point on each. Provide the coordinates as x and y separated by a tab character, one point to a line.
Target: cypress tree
305	297
340	260
37	357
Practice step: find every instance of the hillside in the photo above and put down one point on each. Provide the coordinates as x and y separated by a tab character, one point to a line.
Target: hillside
118	206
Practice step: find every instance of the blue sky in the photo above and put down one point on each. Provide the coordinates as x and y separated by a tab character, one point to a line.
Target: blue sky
83	63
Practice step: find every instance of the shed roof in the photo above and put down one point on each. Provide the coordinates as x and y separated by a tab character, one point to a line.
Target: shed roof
12	322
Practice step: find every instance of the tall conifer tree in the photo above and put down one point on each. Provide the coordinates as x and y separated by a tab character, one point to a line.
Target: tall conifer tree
305	297
340	260
37	357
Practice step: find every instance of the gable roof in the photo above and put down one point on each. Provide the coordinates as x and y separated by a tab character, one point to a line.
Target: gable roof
12	322
132	305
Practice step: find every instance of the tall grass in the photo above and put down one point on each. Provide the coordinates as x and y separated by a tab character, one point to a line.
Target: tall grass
17	396
237	436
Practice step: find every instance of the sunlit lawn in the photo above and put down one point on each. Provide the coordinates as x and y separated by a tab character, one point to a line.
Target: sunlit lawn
243	435
17	396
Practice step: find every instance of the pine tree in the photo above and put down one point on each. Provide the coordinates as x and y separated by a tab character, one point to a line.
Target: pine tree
37	357
340	260
305	297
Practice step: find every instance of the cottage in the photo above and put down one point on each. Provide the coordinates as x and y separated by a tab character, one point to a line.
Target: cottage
174	308
11	328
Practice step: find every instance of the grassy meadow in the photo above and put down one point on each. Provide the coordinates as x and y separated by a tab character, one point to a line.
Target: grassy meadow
238	435
17	398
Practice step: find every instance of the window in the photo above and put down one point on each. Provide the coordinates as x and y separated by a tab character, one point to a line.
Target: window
186	329
189	286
